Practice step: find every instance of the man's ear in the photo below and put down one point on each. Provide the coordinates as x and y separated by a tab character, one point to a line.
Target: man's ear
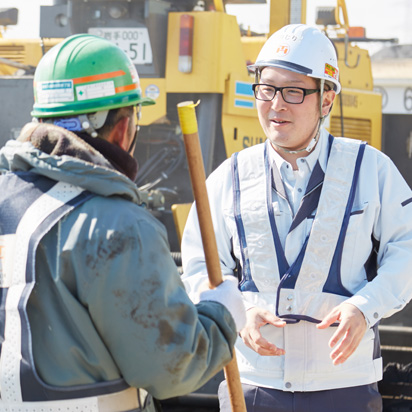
328	98
119	134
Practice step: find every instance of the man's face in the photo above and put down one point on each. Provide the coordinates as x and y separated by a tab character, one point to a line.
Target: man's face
133	129
291	126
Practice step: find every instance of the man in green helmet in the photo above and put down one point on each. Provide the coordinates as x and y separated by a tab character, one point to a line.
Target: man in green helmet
94	315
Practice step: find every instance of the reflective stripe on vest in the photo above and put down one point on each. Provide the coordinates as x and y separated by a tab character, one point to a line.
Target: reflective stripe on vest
129	400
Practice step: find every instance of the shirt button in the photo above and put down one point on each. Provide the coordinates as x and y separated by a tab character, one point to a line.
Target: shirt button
375	315
288	308
290	297
299	190
288	385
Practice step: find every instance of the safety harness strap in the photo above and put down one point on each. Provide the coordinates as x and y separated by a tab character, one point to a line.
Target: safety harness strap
19	287
326	238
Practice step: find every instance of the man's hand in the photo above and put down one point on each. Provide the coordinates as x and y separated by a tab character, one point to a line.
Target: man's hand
255	319
349	333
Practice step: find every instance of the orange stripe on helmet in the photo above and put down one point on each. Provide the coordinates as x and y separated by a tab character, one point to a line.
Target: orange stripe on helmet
126	88
96	77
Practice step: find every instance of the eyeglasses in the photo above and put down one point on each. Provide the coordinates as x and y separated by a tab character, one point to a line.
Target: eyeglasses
293	95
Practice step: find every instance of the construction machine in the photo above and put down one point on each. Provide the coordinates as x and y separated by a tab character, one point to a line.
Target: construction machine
189	50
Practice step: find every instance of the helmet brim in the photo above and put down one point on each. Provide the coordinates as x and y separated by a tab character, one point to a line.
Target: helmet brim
147	101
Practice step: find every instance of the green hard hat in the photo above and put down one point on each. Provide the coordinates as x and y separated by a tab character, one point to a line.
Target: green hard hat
85	74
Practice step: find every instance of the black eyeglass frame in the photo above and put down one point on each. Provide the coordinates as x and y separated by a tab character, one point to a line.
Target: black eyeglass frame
306	92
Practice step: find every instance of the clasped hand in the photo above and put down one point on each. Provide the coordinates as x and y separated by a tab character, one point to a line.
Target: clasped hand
345	340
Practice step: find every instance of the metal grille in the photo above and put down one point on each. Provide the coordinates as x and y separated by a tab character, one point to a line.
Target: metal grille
14	52
360	129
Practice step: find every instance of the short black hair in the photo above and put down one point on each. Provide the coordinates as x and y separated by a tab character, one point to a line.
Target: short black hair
113	117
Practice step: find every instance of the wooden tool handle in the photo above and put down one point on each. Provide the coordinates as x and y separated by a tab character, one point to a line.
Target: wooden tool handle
188	123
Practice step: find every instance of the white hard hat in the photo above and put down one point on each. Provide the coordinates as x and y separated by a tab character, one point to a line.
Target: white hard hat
301	49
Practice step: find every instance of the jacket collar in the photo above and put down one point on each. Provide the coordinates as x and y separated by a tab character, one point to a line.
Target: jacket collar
56	141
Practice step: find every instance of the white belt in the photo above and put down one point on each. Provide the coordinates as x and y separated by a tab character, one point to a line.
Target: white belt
127	400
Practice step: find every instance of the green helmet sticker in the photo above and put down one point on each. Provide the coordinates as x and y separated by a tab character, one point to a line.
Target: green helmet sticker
85	74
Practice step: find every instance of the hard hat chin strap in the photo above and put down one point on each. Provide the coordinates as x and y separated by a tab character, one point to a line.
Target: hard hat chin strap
81	123
92	121
310	146
87	126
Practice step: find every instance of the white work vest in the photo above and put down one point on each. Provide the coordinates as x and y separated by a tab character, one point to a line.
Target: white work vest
310	287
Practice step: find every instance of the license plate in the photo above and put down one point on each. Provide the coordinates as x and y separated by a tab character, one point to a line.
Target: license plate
135	42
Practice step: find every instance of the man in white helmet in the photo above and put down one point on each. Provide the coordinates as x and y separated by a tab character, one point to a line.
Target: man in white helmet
318	230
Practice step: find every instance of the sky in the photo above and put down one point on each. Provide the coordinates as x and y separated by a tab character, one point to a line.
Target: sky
381	18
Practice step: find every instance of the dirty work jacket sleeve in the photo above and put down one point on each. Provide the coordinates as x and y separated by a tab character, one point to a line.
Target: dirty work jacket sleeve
115	266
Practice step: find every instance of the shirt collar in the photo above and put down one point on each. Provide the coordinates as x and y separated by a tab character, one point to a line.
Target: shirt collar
319	153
